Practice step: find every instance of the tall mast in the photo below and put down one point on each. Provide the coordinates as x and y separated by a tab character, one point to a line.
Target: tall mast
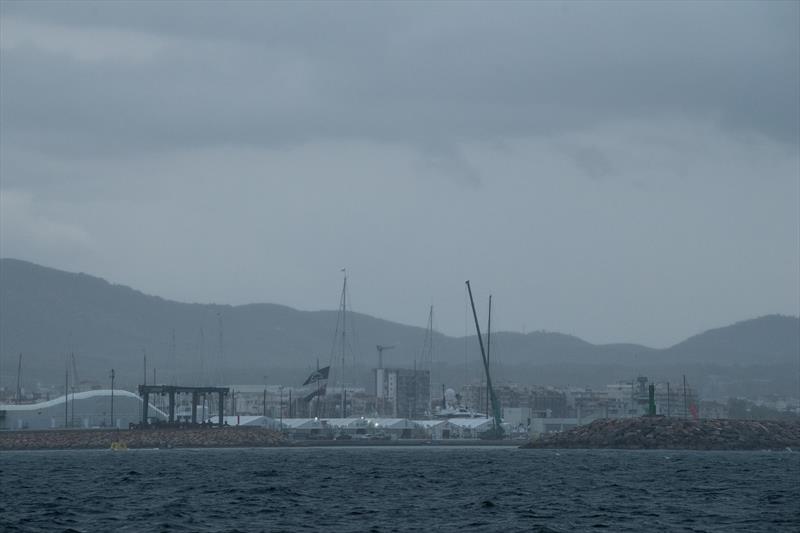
344	330
430	351
498	428
112	398
173	362
668	401
74	386
488	350
426	357
19	373
685	405
221	357
66	392
202	351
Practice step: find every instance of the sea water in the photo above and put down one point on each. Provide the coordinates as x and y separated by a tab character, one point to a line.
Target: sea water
399	489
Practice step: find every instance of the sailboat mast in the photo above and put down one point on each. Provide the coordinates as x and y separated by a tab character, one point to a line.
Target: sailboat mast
319	398
488	350
66	393
498	418
430	350
19	374
172	359
344	331
221	354
74	384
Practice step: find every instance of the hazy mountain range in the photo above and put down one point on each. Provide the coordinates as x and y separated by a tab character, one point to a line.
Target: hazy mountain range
47	313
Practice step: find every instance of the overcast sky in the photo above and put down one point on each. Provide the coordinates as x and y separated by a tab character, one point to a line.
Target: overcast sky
618	171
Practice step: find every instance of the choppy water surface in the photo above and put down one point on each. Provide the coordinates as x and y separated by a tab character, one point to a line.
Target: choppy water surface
399	489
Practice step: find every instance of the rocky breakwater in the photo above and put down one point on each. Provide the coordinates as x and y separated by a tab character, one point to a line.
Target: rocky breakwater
676	433
226	437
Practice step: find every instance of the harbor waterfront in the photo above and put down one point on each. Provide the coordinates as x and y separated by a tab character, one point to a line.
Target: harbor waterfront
629	433
227	437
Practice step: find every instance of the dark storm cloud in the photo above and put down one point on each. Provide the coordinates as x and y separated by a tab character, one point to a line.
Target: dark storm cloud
427	75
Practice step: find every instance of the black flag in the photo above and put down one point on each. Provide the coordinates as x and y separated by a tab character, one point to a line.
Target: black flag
317	392
318	375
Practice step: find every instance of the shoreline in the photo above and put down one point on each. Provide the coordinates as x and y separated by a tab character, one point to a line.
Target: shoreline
183	438
645	433
99	439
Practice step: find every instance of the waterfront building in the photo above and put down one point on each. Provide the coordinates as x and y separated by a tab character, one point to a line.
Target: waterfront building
88	409
403	392
546	401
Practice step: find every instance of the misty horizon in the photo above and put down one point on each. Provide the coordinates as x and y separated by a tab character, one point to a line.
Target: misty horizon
470	331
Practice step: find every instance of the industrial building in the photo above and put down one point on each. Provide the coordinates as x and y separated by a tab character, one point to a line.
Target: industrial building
545	401
403	392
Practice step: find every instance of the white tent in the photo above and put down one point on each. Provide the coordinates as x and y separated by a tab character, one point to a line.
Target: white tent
436	429
470	428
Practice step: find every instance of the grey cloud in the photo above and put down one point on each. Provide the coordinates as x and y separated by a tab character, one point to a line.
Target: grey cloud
276	74
258	147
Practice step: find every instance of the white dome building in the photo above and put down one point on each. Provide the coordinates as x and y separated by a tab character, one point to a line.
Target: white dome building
89	409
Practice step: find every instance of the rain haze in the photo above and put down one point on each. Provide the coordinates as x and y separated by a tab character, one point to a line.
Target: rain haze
234	240
617	171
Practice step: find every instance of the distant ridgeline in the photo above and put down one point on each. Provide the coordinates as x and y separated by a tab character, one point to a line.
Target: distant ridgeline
47	313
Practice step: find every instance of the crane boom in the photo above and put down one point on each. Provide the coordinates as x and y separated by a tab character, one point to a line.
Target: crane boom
381	348
497	431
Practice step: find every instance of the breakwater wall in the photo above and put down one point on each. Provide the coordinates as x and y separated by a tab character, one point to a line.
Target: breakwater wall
676	433
225	437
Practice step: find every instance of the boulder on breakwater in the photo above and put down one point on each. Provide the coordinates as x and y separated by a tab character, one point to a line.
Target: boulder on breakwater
225	437
660	432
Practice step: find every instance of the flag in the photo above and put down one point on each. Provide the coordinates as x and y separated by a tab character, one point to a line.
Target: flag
317	392
318	375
